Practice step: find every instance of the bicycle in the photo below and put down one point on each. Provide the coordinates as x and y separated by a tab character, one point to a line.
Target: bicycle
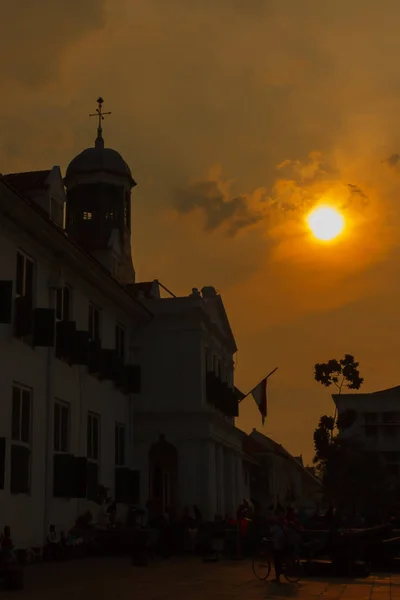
262	564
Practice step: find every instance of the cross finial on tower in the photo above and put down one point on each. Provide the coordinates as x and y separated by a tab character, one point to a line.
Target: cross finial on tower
99	143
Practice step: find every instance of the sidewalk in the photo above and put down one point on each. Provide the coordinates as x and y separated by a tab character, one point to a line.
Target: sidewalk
188	579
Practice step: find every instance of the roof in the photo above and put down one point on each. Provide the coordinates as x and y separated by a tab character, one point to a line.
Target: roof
29	181
278	449
389	392
99	159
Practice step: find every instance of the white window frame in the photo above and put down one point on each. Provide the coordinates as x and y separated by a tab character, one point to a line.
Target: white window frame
61	404
19	442
22	388
26	259
56	298
91	325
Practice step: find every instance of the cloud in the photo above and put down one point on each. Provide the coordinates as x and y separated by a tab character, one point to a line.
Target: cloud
392	160
219	208
34	36
309	86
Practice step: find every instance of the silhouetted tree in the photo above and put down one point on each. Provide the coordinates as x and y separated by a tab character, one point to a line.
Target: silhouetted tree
335	458
340	373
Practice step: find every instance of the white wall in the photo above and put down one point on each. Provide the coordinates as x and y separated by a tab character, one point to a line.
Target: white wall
30	367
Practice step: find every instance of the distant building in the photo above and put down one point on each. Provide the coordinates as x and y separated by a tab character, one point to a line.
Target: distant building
377	422
279	477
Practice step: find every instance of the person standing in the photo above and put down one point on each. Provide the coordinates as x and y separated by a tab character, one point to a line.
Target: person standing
279	542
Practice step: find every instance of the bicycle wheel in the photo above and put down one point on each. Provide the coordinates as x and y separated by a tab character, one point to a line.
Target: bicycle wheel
261	566
293	570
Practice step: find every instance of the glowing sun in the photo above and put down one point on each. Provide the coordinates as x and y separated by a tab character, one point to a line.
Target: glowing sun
326	223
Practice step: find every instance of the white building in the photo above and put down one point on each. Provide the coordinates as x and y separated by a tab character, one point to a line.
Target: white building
376	422
285	479
185	442
104	382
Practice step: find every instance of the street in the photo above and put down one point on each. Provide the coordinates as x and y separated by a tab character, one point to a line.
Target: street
187	579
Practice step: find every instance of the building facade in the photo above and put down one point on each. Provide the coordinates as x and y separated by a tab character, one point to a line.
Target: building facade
67	329
105	382
280	478
185	441
376	422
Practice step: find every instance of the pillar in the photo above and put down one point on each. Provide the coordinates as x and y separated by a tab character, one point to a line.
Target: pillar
211	481
220	479
239	479
230	483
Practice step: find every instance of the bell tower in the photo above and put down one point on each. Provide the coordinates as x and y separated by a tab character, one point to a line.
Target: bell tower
98	205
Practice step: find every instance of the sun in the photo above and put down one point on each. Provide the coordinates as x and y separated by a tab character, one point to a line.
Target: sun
326	223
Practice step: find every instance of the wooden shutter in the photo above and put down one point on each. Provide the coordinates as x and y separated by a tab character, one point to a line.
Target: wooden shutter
92	481
81	475
65	339
63	476
135	487
44	326
6	292
122	485
23	316
20	469
2	462
81	348
133	379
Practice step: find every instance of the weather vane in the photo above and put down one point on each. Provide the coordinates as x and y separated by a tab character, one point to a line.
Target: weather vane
100	115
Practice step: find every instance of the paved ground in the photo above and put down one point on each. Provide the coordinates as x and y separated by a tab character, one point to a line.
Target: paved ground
186	579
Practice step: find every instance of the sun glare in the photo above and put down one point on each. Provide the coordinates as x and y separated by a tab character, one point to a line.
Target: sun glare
326	223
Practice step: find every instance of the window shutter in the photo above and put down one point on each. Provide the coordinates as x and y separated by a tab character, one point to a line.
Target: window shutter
20	469
135	487
133	379
65	339
81	348
2	462
123	485
119	374
81	475
63	475
6	291
44	326
23	316
108	363
92	480
94	365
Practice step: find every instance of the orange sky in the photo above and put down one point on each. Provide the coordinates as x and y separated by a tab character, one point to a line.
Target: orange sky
236	117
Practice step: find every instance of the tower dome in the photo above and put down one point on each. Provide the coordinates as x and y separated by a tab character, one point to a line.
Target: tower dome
98	208
99	159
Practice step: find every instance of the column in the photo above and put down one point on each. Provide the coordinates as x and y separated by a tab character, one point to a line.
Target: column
239	479
211	481
230	490
220	480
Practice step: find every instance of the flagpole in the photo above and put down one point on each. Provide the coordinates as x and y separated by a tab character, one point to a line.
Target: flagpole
267	377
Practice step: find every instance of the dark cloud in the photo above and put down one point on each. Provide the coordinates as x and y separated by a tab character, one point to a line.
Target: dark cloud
392	161
218	208
356	192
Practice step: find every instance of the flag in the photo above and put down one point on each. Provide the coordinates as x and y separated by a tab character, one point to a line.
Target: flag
259	394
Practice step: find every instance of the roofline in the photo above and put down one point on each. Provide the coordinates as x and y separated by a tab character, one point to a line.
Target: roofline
65	239
286	454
